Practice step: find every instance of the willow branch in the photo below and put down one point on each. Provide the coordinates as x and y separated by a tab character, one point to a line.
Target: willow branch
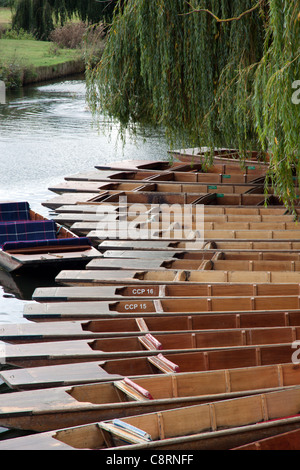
226	20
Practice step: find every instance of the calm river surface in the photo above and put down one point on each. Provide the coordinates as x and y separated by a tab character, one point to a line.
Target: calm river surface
47	133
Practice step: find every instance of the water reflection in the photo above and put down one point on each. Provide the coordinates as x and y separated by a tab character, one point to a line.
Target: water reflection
46	133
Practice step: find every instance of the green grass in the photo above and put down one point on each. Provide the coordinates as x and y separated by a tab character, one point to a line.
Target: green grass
35	53
5	16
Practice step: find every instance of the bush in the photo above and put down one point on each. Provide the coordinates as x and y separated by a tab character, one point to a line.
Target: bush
69	36
12	74
16	34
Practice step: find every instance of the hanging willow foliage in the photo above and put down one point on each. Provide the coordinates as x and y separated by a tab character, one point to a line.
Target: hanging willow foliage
210	72
38	16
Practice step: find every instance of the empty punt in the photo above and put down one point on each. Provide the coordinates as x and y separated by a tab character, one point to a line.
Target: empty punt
39	377
93	329
63	352
214	426
50	409
119	277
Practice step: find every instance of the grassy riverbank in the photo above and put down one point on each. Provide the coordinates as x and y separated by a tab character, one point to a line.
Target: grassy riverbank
5	17
23	60
35	53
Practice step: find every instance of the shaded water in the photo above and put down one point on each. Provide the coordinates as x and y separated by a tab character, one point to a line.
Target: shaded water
46	133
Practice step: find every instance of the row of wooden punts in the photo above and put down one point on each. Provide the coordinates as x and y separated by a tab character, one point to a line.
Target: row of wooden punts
183	338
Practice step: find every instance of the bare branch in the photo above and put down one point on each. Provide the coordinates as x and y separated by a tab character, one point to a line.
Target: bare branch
226	20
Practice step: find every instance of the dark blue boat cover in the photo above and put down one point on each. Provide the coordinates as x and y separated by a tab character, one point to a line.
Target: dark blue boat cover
76	242
14	211
28	230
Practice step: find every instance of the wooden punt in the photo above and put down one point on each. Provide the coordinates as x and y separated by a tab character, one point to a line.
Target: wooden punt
220	425
210	220
216	262
232	165
73	311
30	241
124	230
196	175
158	187
82	311
179	246
75	373
286	441
257	213
159	292
213	198
50	409
151	324
205	254
199	155
119	277
63	352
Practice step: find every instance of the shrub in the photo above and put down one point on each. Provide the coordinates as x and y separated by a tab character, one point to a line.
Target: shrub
16	34
69	36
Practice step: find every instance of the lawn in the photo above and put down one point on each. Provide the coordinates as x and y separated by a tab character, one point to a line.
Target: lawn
5	16
35	53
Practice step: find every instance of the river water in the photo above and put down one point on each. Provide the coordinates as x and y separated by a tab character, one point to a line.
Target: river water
46	133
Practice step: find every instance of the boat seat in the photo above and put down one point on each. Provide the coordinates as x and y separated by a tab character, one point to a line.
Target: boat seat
10	211
124	431
27	230
17	246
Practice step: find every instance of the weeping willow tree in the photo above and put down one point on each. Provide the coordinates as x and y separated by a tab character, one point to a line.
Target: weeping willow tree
211	73
38	16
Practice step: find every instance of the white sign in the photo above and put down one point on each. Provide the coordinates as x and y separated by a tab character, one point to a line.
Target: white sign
2	92
296	95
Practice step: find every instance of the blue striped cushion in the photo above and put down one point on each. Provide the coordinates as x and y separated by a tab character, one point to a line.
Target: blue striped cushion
76	242
28	230
14	211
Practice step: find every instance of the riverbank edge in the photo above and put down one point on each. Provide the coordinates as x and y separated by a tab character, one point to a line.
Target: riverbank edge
47	73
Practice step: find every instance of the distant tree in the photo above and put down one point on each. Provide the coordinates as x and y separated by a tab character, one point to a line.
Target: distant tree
39	16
